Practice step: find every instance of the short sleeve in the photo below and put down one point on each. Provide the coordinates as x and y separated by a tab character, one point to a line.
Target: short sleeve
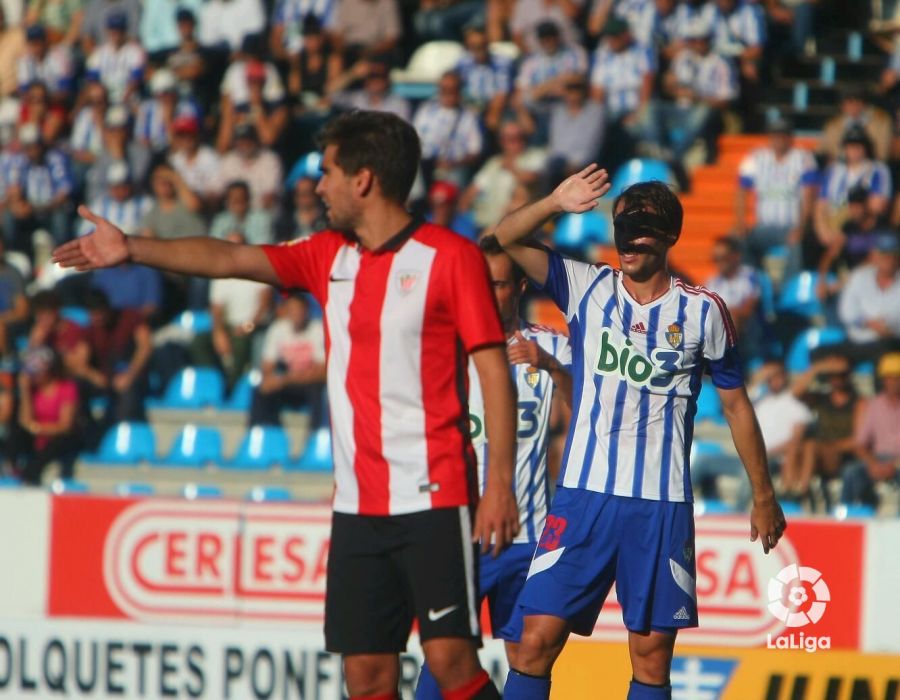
568	280
720	346
473	307
305	264
747	172
810	174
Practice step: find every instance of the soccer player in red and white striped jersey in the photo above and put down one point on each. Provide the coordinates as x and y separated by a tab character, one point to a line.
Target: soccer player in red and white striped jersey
405	305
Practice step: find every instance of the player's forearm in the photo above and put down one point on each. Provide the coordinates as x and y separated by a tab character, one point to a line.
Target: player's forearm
750	447
202	256
513	230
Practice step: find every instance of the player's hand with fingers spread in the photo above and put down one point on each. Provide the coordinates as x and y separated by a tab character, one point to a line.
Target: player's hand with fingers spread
105	247
497	519
579	193
767	523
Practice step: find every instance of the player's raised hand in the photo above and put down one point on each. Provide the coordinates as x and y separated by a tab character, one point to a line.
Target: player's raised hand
767	523
579	193
105	247
496	520
523	351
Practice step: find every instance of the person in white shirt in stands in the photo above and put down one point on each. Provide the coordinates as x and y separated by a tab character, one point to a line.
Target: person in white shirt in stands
544	73
119	203
259	167
784	179
197	164
224	23
117	63
52	66
487	77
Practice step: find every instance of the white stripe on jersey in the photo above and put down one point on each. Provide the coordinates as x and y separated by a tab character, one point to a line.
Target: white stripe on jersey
401	386
465	526
535	396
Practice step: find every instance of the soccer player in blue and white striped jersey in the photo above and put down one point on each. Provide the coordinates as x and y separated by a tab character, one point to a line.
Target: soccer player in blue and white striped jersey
641	342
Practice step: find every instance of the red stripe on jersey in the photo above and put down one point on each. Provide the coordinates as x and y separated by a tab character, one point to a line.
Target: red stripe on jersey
363	384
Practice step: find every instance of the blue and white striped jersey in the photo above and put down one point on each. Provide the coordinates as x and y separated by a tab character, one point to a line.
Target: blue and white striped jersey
709	76
535	395
10	162
621	76
739	30
689	17
42	182
540	67
481	81
290	15
87	134
56	70
838	180
636	374
150	126
116	67
127	215
450	134
778	184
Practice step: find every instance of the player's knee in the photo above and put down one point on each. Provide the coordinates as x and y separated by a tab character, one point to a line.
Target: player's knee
537	651
651	664
452	662
369	677
512	653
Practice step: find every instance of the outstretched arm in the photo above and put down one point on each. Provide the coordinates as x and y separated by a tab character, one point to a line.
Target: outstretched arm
107	246
576	194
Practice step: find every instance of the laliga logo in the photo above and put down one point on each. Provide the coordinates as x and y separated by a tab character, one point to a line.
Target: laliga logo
798	596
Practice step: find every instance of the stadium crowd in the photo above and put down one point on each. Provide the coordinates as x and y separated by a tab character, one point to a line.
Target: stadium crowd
199	118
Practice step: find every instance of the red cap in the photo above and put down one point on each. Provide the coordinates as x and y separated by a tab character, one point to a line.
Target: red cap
186	124
442	192
255	70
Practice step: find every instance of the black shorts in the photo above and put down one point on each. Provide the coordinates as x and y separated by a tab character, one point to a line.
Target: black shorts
386	571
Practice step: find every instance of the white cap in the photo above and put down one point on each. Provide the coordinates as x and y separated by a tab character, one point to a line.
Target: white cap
117	173
29	134
163	80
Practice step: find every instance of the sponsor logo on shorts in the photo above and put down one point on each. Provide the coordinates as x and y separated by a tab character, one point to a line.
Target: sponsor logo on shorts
554	528
435	615
682	614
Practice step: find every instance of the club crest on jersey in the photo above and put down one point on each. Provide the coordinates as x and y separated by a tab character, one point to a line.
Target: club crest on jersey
407	280
674	336
532	377
626	362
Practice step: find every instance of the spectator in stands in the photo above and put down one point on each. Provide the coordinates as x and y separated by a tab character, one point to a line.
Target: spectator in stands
830	445
118	147
86	140
12	49
153	126
493	184
375	93
443	198
869	305
253	224
197	164
303	215
51	329
39	192
119	202
293	366
739	31
652	22
248	160
48	417
445	19
784	180
158	28
365	27
311	66
858	169
96	20
528	14
10	154
798	17
239	310
13	307
117	63
187	62
622	80
61	20
175	207
450	134
252	94
486	77
37	109
224	24
48	64
8	420
131	287
857	112
689	16
544	73
877	439
294	22
700	85
577	126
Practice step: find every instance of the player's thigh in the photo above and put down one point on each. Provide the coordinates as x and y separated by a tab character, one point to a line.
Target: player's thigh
656	571
651	655
368	605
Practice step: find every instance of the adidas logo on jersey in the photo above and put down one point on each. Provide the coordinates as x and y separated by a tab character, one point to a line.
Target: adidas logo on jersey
639	328
682	614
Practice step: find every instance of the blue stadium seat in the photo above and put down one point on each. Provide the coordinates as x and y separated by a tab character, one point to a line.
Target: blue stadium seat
129	489
316	455
196	321
798	295
709	407
791	508
269	494
77	314
713	506
640	170
798	357
706	448
194	446
192	387
193	492
575	231
9	482
307	166
242	393
767	296
125	443
261	448
68	486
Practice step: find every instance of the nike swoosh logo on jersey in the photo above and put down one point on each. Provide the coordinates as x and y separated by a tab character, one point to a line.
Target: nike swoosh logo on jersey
435	615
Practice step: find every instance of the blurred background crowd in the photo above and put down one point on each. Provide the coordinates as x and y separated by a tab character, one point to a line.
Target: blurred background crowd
777	120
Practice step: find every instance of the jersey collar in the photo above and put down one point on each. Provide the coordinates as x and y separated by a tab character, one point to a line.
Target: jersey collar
395	242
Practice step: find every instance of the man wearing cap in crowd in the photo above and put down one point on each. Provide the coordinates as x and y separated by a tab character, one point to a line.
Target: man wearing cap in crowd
96	20
258	166
158	29
155	115
577	127
869	305
784	179
118	62
442	200
877	439
375	93
119	203
857	110
118	146
197	163
544	73
187	61
51	65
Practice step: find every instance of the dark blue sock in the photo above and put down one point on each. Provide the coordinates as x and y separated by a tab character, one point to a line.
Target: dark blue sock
521	686
427	688
643	691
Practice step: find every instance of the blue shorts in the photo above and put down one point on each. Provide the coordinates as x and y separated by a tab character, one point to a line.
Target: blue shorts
501	581
591	540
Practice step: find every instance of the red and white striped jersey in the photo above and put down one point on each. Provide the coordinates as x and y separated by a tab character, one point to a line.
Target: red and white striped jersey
400	322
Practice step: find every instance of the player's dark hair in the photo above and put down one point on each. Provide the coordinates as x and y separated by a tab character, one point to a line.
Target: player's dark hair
46	300
490	246
730	242
380	142
655	196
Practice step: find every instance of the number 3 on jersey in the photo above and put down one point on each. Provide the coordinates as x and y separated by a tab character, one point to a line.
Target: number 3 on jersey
528	423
